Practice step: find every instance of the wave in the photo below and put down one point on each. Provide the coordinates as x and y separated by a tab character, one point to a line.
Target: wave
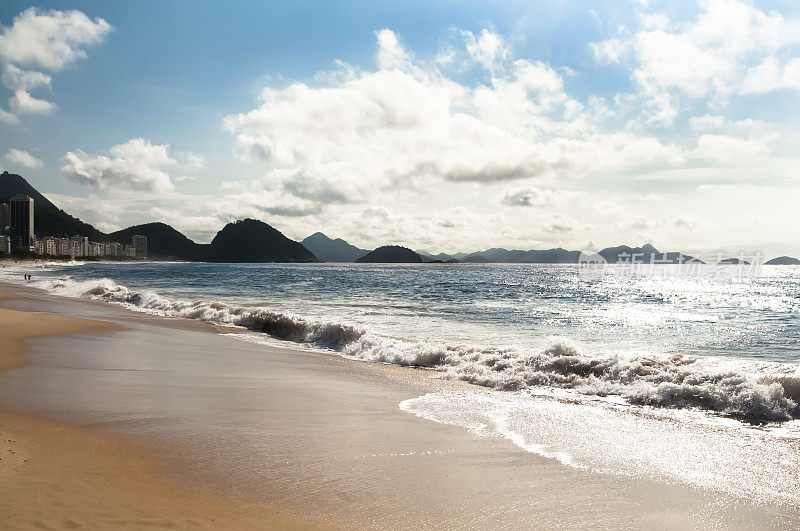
662	381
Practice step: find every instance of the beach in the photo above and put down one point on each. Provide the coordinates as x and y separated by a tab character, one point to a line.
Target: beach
118	418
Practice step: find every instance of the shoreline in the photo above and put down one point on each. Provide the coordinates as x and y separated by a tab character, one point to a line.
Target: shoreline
317	431
56	475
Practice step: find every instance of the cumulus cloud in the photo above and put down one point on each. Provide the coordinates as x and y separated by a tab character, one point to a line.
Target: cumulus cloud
51	39
531	196
771	75
488	49
716	56
23	158
408	125
42	40
135	165
559	224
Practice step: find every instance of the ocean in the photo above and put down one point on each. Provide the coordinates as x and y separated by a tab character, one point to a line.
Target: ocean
691	377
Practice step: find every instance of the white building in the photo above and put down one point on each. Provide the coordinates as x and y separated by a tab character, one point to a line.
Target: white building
80	246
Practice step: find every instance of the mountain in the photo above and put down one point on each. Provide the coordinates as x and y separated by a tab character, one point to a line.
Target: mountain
733	261
548	256
329	250
644	255
391	254
783	260
48	219
13	184
612	255
162	241
437	258
250	240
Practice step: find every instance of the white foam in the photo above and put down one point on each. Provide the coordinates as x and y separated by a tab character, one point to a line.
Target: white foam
642	379
606	437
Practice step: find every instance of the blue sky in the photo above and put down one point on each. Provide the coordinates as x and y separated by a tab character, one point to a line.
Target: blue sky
439	125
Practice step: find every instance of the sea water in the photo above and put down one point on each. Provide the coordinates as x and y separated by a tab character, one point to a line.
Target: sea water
690	378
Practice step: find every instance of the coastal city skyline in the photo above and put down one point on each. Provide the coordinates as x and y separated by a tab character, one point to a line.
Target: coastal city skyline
517	138
18	235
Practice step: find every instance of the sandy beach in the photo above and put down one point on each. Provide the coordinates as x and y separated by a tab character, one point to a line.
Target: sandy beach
115	418
57	476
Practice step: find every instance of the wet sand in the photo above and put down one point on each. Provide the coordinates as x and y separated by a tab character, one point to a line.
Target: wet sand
313	434
56	476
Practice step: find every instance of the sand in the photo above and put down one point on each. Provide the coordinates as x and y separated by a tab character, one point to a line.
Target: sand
56	476
176	411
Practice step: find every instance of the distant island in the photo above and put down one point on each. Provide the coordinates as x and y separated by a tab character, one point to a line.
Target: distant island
783	260
251	240
394	254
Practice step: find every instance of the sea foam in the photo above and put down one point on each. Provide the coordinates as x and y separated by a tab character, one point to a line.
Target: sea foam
665	381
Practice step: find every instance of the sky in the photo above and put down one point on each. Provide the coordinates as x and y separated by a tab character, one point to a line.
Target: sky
442	126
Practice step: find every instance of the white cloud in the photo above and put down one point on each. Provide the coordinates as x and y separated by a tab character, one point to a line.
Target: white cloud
22	102
23	158
391	53
771	75
408	125
728	149
713	57
50	40
489	49
42	40
8	118
135	165
559	224
18	79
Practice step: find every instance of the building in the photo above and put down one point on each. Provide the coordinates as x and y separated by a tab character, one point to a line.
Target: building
130	251
113	249
21	211
63	247
96	249
139	244
49	245
79	246
5	215
5	244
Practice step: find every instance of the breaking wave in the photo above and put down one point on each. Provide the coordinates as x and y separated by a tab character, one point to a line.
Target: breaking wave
675	381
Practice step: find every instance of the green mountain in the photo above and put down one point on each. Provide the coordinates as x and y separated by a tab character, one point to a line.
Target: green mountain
391	254
162	241
48	219
250	240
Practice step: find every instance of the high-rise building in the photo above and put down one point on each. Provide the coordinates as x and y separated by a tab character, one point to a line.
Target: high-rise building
139	244
21	207
80	246
114	249
5	216
5	245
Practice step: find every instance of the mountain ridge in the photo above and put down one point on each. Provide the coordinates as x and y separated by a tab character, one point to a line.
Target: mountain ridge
165	241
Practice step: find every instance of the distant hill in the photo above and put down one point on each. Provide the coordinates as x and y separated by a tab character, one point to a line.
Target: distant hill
163	241
48	219
437	258
558	255
329	250
549	256
783	260
733	261
644	255
250	240
391	254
